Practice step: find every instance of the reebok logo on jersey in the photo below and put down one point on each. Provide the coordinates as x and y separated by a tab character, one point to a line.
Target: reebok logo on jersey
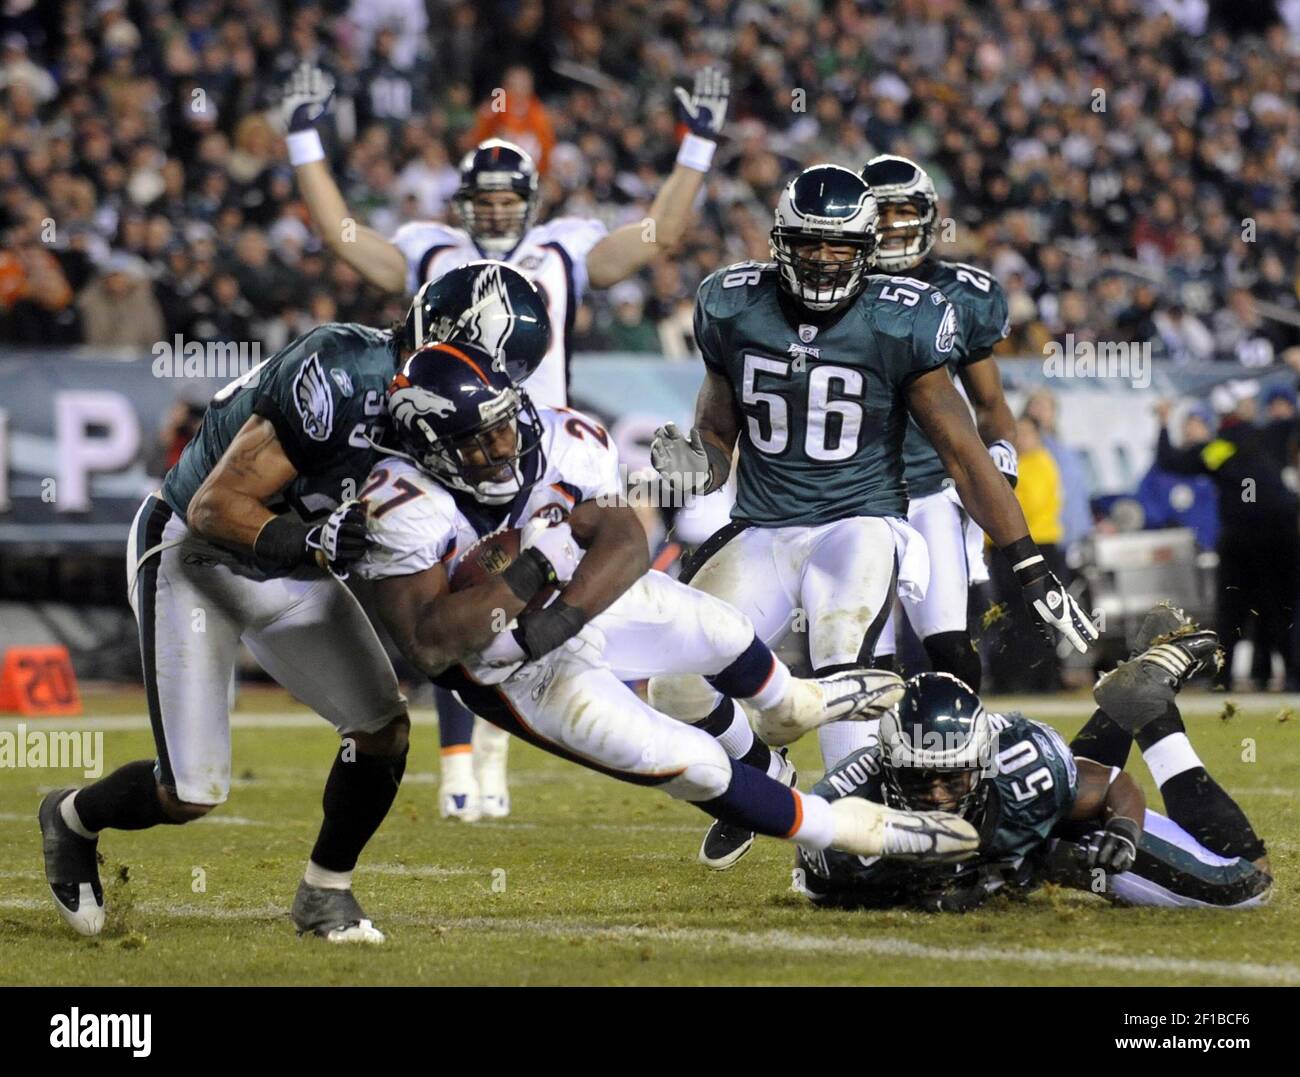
342	380
946	337
313	399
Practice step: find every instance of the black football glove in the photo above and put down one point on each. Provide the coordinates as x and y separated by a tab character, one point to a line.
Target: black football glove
1115	848
1046	595
342	539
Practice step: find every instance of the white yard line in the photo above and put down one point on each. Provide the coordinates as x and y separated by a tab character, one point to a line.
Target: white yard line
775	941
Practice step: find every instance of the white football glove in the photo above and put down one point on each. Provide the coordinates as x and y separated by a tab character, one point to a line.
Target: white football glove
1058	608
681	461
705	107
342	539
1006	460
556	543
305	97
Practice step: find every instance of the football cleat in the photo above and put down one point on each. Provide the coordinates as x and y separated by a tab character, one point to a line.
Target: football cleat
1139	690
724	843
866	828
852	695
333	915
71	868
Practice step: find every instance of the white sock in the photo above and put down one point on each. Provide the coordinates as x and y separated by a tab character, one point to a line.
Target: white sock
838	739
778	684
817	827
327	880
738	737
1171	756
69	812
457	770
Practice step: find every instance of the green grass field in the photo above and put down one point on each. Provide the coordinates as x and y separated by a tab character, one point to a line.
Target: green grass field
590	882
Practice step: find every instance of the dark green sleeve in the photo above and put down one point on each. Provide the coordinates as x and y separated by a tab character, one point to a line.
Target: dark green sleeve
708	337
936	334
985	322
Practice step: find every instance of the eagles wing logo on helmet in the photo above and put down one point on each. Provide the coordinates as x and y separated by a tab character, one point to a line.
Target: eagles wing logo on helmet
490	318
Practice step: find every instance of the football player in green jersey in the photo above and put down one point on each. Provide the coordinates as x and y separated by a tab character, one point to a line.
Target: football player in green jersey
1047	812
813	367
909	218
243	544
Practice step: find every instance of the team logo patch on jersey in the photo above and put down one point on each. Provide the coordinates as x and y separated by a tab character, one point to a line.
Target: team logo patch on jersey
803	349
807	333
946	337
342	380
313	399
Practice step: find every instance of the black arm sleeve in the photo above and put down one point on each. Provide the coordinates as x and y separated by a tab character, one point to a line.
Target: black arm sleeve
1180	461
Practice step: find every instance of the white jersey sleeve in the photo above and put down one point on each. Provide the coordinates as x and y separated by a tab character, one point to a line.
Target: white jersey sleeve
422	241
581	457
411	521
575	236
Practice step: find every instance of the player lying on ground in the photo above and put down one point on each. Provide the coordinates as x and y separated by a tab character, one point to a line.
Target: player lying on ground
480	459
235	548
909	221
813	367
497	204
1048	813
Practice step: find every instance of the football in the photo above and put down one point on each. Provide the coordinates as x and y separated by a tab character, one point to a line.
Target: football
491	556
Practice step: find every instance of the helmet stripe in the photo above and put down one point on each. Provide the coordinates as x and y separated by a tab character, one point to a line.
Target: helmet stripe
464	359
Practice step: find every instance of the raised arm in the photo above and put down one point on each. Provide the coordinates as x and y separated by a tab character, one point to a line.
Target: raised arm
628	249
305	102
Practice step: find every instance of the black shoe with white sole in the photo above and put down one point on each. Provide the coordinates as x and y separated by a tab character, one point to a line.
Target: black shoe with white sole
725	843
335	915
71	868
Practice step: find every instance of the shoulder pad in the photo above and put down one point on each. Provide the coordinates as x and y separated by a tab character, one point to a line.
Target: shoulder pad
732	288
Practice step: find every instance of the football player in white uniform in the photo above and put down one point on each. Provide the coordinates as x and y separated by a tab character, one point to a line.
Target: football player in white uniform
497	204
475	459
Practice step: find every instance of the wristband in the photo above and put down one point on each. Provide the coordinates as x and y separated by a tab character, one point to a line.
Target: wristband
304	147
720	461
696	152
1027	561
527	574
282	543
541	632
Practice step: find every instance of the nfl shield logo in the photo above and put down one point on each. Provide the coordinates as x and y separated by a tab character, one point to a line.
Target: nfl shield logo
807	332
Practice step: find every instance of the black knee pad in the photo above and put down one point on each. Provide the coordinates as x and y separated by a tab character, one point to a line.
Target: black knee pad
953	652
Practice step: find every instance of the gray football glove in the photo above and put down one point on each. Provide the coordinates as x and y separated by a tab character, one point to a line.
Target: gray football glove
1006	460
1115	848
682	462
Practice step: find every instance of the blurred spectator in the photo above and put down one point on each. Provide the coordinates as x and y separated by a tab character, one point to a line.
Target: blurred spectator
128	113
1280	426
1259	544
118	308
1170	499
515	113
1076	512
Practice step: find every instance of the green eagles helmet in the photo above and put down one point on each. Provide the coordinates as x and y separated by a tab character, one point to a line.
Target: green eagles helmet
937	747
488	304
825	204
897	181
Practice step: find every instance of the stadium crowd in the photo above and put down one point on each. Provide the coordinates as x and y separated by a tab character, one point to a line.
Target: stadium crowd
1129	170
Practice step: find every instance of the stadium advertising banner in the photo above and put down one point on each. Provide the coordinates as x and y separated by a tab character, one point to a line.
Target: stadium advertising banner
79	437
